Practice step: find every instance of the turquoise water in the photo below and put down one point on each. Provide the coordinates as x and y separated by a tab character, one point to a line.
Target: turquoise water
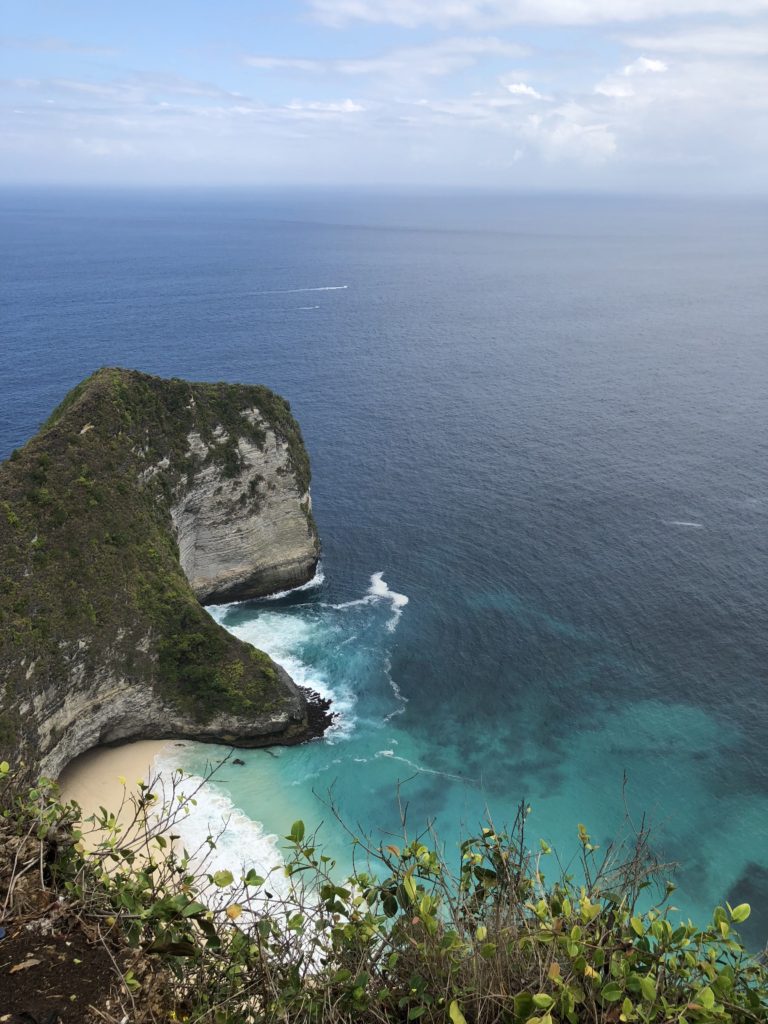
543	420
372	756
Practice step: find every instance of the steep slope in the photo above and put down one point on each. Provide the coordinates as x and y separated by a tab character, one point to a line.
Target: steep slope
139	499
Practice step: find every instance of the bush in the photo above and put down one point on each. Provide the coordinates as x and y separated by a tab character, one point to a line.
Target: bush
410	936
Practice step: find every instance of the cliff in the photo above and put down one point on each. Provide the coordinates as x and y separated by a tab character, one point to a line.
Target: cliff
139	499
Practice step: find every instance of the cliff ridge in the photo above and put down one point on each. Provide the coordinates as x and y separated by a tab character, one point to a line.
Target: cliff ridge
139	499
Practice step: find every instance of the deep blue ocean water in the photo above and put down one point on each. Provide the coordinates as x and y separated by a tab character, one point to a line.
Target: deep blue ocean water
544	420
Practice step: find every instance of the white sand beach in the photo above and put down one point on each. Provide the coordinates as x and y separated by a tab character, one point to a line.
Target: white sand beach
108	776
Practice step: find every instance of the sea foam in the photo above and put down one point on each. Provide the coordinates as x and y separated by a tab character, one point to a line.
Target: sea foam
379	590
240	842
293	636
283	637
218	836
317	580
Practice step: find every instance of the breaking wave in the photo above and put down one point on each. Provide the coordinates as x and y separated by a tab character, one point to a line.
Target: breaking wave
317	580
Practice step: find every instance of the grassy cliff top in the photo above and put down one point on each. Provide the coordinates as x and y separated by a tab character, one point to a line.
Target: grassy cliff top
89	568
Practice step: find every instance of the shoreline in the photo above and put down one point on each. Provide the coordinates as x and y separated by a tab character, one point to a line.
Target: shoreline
93	779
108	776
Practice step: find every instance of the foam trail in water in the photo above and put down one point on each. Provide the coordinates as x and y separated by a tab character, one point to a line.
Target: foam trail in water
379	590
307	307
295	291
684	522
402	701
420	768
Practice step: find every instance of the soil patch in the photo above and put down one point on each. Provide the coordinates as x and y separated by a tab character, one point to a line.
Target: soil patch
52	978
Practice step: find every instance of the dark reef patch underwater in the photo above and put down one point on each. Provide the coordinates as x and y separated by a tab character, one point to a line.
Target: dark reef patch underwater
542	420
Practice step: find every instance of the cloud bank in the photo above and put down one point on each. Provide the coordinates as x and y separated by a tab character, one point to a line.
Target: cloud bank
649	94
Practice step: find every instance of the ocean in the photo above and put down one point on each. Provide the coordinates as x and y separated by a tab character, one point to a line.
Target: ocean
539	436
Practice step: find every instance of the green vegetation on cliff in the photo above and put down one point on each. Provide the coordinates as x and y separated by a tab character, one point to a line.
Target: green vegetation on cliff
89	567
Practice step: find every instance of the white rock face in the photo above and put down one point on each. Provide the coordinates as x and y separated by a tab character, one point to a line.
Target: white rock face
248	535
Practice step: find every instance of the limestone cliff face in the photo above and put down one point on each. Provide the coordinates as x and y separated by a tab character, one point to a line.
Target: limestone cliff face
139	499
110	706
248	536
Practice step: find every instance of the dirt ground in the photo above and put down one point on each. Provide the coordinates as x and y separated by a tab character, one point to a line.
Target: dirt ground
52	978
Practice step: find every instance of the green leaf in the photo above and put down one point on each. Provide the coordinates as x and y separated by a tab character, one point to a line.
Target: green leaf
706	997
297	832
193	908
542	1001
455	1014
409	886
637	926
223	879
738	914
4	767
415	1012
648	988
253	879
523	1003
612	992
131	982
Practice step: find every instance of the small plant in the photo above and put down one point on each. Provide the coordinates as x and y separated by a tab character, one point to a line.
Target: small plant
478	936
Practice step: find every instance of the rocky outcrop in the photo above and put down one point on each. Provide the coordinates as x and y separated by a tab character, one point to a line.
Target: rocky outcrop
109	707
139	499
246	536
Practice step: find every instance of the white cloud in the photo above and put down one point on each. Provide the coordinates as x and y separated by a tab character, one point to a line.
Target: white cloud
713	40
700	117
617	86
136	88
569	133
413	13
286	64
679	98
644	66
432	61
522	89
345	107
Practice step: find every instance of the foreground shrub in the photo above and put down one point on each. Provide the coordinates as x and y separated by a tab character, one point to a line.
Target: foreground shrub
479	934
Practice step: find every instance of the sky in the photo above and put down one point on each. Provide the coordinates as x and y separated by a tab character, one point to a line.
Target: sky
615	95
